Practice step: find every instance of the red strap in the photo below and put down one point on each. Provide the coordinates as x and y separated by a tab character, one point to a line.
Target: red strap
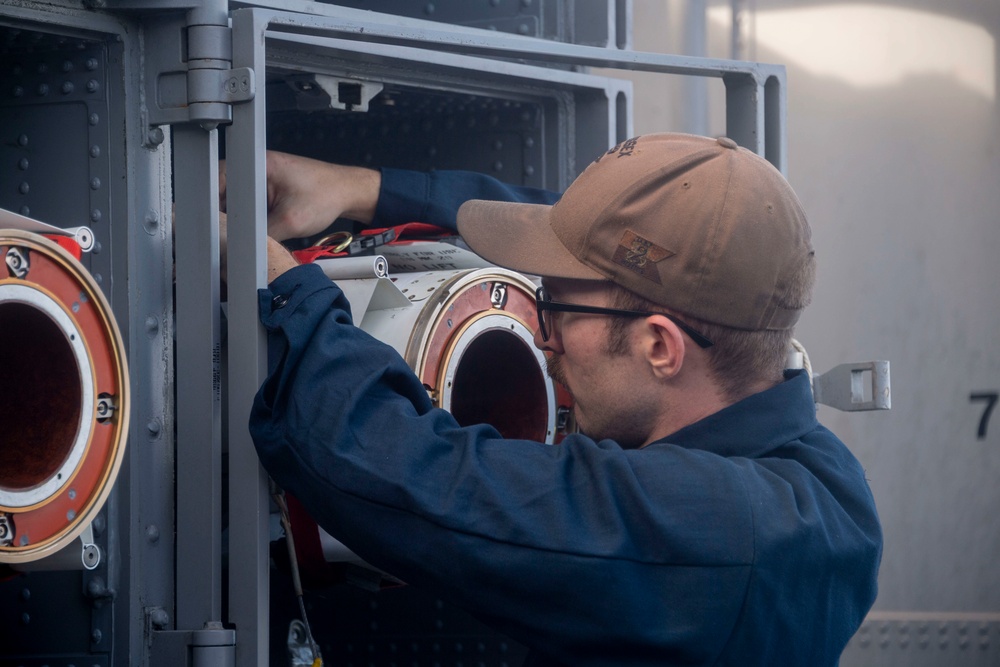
406	234
310	255
417	231
69	244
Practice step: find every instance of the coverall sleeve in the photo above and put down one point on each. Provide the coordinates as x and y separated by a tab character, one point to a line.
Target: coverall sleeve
434	197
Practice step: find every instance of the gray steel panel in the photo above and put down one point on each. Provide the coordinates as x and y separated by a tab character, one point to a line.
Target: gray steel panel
39	606
147	516
59	76
140	511
148	521
247	354
60	177
85	170
198	380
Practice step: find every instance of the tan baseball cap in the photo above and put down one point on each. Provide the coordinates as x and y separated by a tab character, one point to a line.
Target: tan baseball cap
698	225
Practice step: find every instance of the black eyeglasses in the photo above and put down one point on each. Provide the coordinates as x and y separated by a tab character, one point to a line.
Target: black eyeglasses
546	305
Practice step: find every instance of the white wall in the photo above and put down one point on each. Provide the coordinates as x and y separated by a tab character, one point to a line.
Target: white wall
894	150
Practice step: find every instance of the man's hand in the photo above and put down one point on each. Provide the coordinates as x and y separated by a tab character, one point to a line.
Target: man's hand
279	259
305	196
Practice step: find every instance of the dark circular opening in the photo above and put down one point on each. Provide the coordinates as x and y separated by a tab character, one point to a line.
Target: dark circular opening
499	382
40	396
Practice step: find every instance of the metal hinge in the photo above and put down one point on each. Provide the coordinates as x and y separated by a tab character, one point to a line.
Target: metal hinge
213	646
188	75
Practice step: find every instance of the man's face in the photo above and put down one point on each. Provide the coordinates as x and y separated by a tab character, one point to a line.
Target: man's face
607	388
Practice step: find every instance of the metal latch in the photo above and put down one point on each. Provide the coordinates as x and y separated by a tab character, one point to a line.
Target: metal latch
854	387
315	92
90	554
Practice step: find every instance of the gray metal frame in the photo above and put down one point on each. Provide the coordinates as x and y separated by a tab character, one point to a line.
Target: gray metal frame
165	591
603	23
602	106
755	119
756	103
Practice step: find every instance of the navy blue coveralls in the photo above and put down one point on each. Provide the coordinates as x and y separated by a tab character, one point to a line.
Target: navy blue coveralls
747	538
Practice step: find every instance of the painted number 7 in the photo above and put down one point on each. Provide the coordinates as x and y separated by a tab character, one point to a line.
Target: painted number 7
990	398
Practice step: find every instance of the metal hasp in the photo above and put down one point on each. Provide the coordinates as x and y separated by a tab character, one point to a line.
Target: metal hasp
854	387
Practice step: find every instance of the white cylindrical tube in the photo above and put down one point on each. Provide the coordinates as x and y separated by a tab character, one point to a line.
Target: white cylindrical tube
354	268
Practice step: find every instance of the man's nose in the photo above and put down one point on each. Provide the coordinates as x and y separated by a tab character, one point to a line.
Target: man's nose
553	344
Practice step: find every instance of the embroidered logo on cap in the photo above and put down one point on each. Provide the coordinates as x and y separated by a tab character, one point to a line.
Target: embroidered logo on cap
640	255
624	149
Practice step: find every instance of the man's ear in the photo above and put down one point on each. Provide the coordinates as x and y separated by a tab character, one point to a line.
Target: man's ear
663	345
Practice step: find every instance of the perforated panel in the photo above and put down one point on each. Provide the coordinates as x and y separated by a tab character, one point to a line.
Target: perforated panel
926	640
54	120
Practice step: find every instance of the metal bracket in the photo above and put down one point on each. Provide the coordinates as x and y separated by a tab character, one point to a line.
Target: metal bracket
498	295
82	235
315	92
6	530
18	262
107	405
80	554
299	650
90	554
854	387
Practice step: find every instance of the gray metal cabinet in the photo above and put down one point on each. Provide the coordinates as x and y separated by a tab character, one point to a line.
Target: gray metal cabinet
114	114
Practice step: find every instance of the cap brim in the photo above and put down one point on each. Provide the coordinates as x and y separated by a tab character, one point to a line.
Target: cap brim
519	237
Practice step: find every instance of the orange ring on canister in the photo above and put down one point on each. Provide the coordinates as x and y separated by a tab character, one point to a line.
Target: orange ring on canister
64	397
473	348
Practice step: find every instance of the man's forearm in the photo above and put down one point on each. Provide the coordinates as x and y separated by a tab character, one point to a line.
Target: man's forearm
279	260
